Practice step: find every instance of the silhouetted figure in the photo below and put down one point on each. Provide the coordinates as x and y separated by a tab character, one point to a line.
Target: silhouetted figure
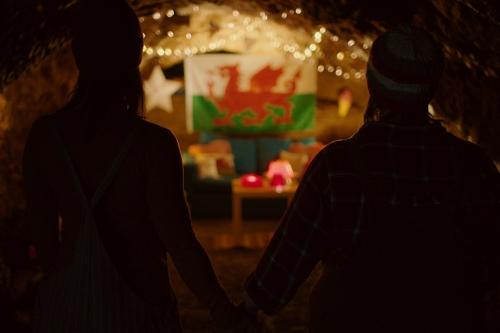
116	182
403	216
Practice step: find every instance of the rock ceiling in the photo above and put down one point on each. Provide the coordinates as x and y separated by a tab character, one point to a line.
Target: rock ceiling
467	29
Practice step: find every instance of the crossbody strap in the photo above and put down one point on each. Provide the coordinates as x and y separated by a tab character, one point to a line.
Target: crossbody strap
110	175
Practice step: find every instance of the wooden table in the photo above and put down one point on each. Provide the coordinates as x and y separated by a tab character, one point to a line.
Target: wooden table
266	191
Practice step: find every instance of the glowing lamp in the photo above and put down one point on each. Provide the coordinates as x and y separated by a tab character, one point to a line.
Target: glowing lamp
280	173
251	180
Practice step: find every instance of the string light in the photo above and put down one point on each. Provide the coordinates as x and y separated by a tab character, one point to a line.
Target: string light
317	37
248	23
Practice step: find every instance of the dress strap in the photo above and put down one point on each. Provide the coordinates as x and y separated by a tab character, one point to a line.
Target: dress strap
110	175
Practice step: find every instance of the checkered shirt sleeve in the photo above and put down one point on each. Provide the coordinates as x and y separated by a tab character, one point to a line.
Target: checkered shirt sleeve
297	246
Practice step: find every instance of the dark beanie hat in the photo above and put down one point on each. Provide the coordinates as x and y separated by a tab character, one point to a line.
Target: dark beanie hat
106	37
404	68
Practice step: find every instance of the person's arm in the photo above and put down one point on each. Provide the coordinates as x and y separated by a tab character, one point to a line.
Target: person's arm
172	221
41	204
296	247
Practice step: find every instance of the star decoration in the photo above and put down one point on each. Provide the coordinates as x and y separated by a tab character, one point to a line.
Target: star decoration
159	91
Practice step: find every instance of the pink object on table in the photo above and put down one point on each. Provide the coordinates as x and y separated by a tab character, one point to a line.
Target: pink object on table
251	180
277	180
280	172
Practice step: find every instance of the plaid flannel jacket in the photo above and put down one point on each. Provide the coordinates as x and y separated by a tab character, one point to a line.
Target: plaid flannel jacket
330	198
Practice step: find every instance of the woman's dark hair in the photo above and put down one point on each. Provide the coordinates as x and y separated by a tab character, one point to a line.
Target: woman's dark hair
107	98
109	85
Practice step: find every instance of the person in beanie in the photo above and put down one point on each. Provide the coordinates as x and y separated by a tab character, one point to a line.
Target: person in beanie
105	198
403	216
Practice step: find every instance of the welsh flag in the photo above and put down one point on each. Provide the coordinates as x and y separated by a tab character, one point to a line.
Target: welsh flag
249	93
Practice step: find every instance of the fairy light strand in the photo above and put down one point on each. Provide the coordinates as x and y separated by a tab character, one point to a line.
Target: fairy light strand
312	50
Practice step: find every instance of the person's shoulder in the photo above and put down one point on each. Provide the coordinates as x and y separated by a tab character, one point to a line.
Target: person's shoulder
332	155
473	155
337	149
159	136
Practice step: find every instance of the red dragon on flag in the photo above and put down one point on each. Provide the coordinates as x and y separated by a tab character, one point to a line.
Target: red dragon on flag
259	99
